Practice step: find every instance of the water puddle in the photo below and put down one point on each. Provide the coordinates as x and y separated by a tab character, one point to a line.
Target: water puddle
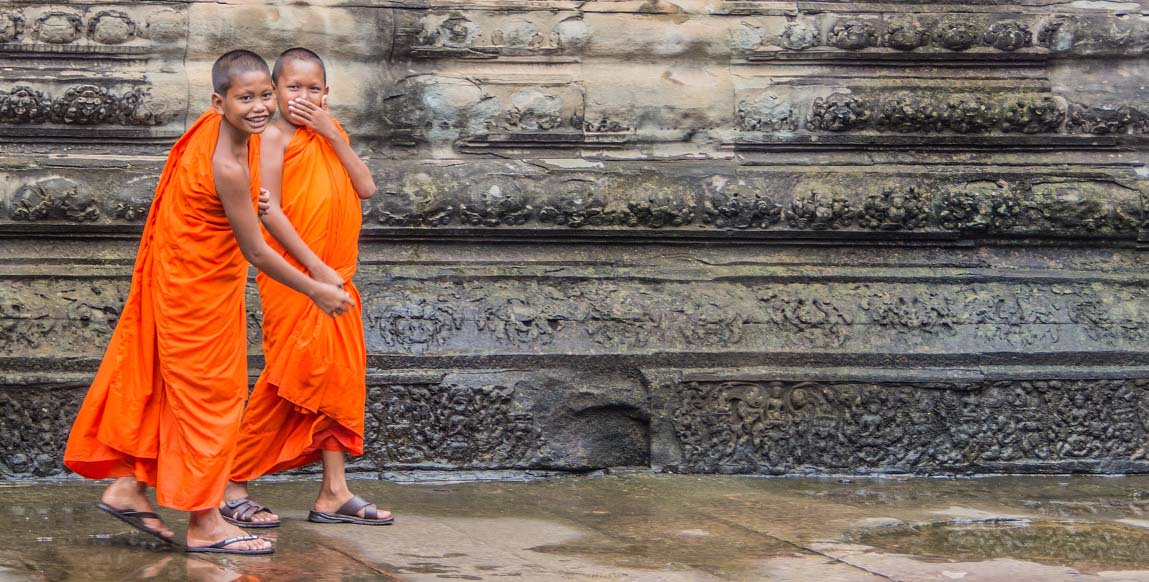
1087	547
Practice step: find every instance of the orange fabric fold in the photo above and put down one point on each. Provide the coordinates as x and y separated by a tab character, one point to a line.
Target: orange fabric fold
312	391
166	402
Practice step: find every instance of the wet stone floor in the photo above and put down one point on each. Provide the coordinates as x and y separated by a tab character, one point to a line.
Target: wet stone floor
626	527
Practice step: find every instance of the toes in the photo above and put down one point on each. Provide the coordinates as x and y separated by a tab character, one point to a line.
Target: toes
260	544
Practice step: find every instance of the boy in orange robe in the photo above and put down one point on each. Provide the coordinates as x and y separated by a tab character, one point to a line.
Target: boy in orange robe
308	404
165	406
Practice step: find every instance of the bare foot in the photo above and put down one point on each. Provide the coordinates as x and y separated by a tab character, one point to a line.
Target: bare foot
207	527
127	493
236	491
331	501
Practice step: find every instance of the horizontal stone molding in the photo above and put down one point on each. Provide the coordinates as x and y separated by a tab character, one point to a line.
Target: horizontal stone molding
80	105
948	34
625	198
637	313
804	421
481	419
930	112
886	205
97	30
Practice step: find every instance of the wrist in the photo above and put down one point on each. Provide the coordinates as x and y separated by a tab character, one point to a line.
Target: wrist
313	265
313	289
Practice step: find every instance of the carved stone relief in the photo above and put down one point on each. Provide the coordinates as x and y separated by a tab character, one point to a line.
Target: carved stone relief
34	427
449	425
968	36
80	105
486	35
11	26
932	112
561	315
788	426
108	30
917	210
55	199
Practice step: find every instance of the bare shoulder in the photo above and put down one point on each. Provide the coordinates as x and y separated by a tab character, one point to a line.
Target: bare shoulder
274	139
227	170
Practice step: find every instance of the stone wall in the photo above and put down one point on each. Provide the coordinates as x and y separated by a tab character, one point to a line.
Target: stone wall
729	236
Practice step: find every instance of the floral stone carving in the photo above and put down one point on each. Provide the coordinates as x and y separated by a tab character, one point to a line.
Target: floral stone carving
895	209
837	112
24	105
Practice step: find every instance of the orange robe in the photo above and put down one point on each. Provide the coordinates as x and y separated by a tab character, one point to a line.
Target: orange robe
166	402
311	394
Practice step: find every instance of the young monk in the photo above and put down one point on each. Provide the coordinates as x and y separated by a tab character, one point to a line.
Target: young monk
165	406
308	404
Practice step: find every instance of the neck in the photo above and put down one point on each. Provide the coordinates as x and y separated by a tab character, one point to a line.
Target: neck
284	125
232	136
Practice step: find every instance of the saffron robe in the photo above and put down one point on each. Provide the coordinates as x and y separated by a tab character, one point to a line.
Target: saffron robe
166	402
312	392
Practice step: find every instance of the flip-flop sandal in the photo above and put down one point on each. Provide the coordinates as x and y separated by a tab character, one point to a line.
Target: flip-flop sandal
220	547
136	520
349	513
240	511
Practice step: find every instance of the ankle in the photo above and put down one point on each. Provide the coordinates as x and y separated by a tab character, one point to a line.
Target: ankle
334	490
125	486
235	490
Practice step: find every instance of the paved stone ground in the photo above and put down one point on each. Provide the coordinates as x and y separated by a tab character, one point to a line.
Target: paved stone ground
628	527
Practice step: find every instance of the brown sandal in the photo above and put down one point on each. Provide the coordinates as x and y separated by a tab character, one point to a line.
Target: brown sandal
349	513
240	511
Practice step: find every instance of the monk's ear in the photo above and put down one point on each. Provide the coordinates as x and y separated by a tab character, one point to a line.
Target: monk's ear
217	103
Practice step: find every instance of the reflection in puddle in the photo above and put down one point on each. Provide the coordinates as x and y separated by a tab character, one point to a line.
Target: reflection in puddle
1086	547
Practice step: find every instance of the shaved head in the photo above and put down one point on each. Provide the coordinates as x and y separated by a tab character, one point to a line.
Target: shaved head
232	64
297	54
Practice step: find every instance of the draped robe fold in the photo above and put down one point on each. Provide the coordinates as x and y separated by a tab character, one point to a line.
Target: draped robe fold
311	394
167	400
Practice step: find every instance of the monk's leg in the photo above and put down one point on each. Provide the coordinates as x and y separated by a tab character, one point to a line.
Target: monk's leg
127	494
237	490
334	491
259	439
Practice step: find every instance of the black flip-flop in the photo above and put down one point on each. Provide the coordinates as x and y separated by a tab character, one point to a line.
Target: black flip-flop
136	520
240	511
220	547
349	513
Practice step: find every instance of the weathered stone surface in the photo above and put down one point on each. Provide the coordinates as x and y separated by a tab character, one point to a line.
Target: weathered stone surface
596	220
34	426
783	425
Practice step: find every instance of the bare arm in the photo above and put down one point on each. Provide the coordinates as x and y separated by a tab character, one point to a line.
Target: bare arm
271	176
232	188
318	119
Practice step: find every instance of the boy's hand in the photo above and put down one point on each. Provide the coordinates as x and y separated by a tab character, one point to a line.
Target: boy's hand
325	274
314	117
332	300
264	201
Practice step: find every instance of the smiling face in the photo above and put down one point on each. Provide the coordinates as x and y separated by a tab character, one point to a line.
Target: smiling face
299	79
249	102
